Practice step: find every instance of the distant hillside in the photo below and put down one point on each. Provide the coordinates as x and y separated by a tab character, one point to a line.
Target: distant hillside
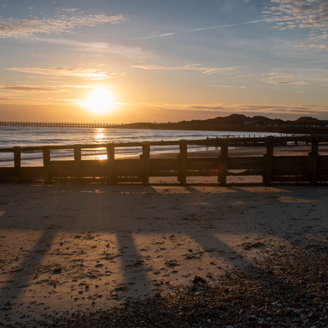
240	122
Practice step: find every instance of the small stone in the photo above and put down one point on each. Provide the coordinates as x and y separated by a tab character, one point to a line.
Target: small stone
198	280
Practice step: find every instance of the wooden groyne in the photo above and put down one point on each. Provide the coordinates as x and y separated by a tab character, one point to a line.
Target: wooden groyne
311	169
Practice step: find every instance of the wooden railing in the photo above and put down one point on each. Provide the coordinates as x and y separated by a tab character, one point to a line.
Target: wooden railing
311	168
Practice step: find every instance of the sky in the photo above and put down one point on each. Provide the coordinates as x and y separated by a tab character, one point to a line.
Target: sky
162	61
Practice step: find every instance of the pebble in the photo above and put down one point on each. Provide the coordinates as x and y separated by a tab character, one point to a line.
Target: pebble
269	294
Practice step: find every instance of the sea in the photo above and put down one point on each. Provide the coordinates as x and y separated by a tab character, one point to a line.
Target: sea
11	136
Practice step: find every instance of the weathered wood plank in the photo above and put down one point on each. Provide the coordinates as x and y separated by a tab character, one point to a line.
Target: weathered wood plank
244	163
163	164
223	165
127	167
290	165
203	163
62	169
77	161
182	163
94	168
322	165
17	164
268	163
145	163
46	164
111	178
313	162
245	173
288	179
28	172
7	172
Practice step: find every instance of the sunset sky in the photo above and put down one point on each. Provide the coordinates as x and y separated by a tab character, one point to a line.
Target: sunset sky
149	60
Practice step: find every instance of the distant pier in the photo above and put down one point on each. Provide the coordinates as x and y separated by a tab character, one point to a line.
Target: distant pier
60	124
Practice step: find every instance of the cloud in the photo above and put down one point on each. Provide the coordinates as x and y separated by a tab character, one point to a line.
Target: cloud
299	14
278	75
283	77
221	86
245	86
205	70
85	73
38	88
18	87
290	82
78	86
102	47
62	23
320	46
227	109
35	101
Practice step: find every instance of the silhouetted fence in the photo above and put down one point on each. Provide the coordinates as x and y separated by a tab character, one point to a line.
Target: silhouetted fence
311	168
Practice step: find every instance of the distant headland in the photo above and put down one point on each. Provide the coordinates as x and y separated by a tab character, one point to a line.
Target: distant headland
233	122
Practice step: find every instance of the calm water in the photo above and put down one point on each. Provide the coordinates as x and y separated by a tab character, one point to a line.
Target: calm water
41	136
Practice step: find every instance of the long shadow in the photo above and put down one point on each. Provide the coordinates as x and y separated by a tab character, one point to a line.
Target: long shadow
134	270
133	266
21	276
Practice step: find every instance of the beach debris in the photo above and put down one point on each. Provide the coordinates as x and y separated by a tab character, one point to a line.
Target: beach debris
198	280
57	271
171	263
249	246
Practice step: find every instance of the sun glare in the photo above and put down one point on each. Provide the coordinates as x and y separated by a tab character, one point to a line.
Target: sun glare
100	101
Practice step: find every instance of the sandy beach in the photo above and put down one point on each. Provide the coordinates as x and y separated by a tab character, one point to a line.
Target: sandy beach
89	247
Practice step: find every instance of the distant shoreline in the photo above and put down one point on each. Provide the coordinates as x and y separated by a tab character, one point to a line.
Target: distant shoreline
217	124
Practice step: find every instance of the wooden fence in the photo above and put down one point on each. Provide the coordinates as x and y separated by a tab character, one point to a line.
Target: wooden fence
274	169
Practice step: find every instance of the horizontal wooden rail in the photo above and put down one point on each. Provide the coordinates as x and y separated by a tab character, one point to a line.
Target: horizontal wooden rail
273	169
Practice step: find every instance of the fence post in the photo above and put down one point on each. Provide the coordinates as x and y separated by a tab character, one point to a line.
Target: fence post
111	178
46	164
313	162
77	161
17	162
145	163
268	163
182	163
223	165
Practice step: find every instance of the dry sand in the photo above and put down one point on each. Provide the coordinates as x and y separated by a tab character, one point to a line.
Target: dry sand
78	247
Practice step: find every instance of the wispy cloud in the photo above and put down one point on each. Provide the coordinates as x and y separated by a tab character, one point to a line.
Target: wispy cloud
198	30
205	70
221	86
62	23
42	88
284	78
78	86
24	87
35	101
85	73
278	75
102	47
320	46
245	86
290	82
299	14
227	109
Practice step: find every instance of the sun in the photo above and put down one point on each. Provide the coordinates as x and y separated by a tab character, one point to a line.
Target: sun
100	101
